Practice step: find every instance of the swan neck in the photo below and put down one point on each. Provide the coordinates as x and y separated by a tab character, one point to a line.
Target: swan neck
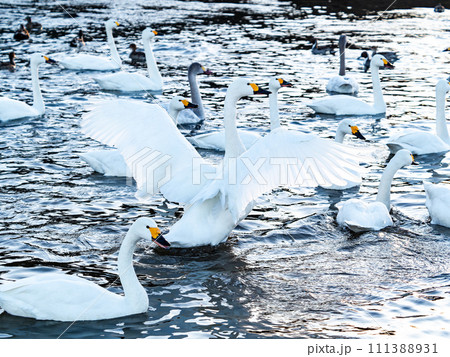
340	135
233	144
173	114
38	101
112	46
274	113
133	290
195	95
152	67
342	59
378	101
441	122
384	189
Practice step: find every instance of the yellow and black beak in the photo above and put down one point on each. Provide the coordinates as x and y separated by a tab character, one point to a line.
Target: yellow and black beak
155	32
447	50
117	24
387	64
357	133
284	83
188	105
414	162
258	90
158	238
49	60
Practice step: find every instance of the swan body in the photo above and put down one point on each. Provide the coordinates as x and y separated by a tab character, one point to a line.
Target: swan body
85	62
215	198
347	127
347	105
342	84
110	162
11	109
61	297
216	140
133	82
197	114
359	215
422	142
438	203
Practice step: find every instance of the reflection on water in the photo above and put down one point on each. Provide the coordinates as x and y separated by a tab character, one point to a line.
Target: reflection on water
287	270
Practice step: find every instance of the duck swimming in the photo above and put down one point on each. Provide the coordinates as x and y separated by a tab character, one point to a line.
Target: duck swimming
21	34
30	25
11	64
136	55
77	41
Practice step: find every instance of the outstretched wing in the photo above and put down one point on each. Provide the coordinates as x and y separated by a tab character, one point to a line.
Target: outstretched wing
158	156
281	158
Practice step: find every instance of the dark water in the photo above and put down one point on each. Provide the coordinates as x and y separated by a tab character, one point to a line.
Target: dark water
287	270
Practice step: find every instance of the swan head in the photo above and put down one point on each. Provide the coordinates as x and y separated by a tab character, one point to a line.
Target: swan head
380	62
443	86
110	24
148	34
179	103
196	68
242	87
147	229
404	158
276	83
342	41
36	59
347	126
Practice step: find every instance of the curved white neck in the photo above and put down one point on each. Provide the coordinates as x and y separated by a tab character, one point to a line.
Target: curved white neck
173	113
112	46
378	101
38	102
342	59
441	123
133	290
273	106
195	95
384	189
340	135
152	68
233	143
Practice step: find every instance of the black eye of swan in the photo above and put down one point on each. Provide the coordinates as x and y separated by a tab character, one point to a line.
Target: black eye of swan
148	227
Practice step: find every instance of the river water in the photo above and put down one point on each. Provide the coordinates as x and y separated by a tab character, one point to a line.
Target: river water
287	270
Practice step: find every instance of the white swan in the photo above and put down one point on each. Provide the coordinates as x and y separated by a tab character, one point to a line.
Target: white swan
96	63
110	162
13	109
422	142
348	105
61	297
342	84
133	82
438	203
216	140
215	203
198	114
359	215
347	127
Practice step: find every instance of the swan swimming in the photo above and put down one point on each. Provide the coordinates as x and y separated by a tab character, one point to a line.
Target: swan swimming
216	140
348	105
110	162
423	142
61	297
13	109
359	215
85	62
342	84
133	82
216	198
438	203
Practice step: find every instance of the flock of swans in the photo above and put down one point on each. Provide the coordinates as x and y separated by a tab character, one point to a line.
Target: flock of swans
215	197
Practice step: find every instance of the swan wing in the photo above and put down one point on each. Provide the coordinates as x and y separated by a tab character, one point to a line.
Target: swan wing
216	140
13	109
341	105
438	203
417	141
89	62
158	156
281	158
126	82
